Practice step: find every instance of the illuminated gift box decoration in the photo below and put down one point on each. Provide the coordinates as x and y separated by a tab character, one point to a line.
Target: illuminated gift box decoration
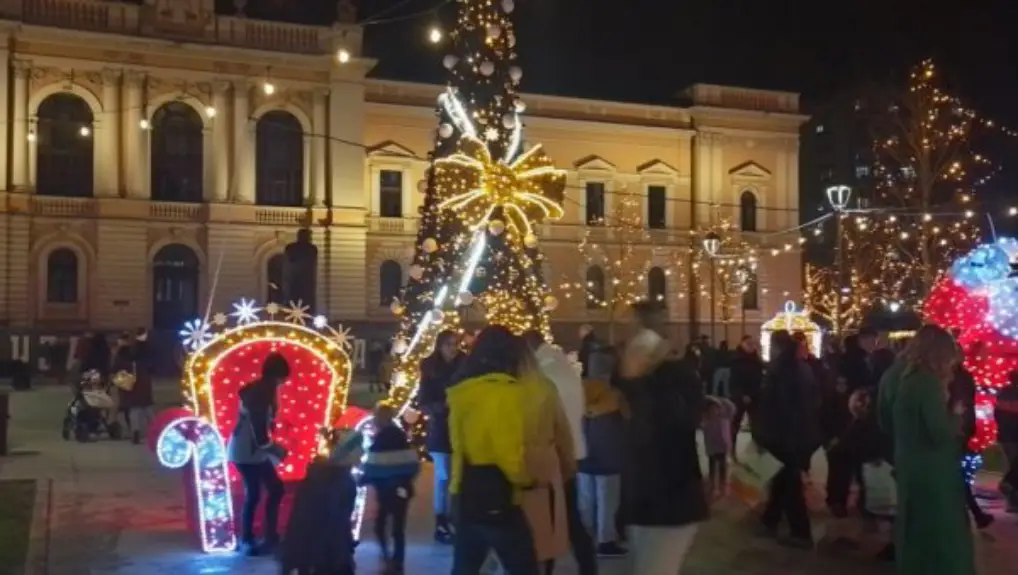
791	319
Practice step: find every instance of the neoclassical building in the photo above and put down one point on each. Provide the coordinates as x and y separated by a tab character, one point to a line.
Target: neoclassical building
160	156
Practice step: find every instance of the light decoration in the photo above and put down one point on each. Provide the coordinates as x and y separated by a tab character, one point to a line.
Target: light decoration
366	430
313	398
791	319
725	253
192	439
823	292
477	243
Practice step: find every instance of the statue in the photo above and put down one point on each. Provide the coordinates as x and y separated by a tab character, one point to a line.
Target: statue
300	271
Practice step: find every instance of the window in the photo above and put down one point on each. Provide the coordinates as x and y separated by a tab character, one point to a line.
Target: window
820	128
862	171
595	287
657	285
274	270
390	282
279	153
64	147
174	287
177	153
656	207
595	203
747	211
751	296
62	276
390	194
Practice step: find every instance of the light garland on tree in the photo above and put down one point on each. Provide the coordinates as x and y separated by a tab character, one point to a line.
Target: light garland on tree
731	267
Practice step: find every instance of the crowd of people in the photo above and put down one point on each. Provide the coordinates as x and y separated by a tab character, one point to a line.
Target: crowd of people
537	456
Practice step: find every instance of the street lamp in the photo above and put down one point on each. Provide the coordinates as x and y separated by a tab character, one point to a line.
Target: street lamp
712	244
838	197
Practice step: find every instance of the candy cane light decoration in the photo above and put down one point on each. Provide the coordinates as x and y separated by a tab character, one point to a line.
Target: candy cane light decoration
194	440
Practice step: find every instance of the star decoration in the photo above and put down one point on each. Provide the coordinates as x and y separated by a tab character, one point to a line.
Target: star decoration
272	308
341	335
297	312
245	311
196	333
219	319
491	134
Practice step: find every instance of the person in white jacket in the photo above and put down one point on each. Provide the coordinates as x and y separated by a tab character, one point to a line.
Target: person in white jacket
557	368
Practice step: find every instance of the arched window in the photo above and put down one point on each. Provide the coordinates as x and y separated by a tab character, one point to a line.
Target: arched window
174	286
279	153
595	287
751	296
390	281
62	276
274	278
177	153
657	284
747	211
64	147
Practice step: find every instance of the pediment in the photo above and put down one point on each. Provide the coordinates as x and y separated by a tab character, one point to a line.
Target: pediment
751	171
594	162
393	149
657	168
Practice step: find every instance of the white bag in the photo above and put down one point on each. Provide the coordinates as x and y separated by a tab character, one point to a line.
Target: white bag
752	473
881	488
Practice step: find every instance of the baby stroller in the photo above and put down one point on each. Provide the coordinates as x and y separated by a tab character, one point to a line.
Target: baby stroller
92	410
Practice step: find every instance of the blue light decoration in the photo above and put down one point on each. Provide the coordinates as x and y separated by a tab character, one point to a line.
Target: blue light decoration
366	430
191	439
1003	313
986	264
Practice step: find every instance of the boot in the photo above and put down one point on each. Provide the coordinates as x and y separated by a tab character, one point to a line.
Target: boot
443	532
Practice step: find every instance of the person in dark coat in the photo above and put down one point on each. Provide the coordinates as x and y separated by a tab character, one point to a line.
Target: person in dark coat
139	398
1006	414
786	423
437	372
588	343
663	496
123	362
855	370
962	391
747	369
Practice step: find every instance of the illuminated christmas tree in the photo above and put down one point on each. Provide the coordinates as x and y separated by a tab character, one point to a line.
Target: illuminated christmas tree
723	265
823	292
485	193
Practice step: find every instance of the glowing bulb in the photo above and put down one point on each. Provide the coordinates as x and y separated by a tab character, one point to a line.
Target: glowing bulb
269	88
435	35
144	124
31	136
210	111
85	131
343	55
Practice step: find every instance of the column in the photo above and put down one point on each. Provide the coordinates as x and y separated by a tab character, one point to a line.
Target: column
5	127
319	129
792	217
106	131
243	149
19	137
220	143
346	123
135	185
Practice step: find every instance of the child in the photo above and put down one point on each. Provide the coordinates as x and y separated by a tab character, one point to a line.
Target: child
857	443
319	540
717	442
390	467
599	481
1006	414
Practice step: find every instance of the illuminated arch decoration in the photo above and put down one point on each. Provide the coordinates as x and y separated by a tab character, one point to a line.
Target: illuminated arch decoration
313	398
791	319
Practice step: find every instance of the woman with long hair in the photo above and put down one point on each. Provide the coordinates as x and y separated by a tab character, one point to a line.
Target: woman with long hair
932	533
488	409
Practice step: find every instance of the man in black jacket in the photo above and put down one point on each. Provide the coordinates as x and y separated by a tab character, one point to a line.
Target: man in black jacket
746	377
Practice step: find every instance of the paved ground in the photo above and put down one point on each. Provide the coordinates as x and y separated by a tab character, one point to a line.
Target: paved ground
106	508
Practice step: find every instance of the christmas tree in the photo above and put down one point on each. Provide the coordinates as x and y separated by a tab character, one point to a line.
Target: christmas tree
477	244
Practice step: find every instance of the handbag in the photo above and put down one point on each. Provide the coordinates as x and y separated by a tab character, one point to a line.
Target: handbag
486	495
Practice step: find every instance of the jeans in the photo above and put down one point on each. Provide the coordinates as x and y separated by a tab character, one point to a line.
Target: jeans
579	537
598	503
393	503
140	418
720	386
257	476
659	550
443	471
787	500
510	539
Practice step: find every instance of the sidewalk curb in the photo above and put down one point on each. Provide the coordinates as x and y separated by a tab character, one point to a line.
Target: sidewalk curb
37	557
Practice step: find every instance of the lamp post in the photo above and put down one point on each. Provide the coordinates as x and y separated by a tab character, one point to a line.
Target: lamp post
711	245
838	197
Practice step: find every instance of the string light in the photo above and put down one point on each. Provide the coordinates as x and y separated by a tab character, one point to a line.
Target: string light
343	55
269	88
435	35
731	264
210	111
791	320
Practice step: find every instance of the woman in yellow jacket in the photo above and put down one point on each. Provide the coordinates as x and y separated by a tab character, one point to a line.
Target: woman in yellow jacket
489	416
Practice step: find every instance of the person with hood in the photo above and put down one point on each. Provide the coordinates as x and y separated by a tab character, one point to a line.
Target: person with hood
1005	412
745	379
255	455
786	423
488	409
437	372
554	366
663	496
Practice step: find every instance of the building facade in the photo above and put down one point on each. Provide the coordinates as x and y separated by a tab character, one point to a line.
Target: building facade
159	157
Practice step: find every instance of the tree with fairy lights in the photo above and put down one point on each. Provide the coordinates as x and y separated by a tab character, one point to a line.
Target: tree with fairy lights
723	263
620	247
477	244
922	213
823	290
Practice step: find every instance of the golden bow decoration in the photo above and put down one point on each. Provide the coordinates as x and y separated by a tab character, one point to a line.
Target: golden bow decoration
522	192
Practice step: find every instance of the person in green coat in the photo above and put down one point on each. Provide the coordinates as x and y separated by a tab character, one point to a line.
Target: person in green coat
932	533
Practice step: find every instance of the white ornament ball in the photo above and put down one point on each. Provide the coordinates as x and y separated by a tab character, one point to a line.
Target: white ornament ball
530	241
466	298
445	130
521	106
416	271
411	416
509	121
550	303
516	73
508	6
496	227
487	68
450	61
399	346
494	31
430	245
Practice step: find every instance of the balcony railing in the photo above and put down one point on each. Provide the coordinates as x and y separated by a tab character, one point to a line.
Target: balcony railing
63	207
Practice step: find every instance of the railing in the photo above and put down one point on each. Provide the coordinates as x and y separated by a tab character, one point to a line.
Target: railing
63	207
174	211
281	216
392	225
